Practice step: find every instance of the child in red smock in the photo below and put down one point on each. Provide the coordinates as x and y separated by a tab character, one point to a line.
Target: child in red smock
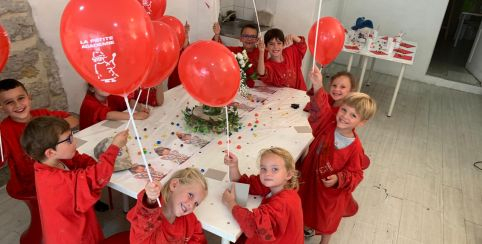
16	104
99	105
174	221
249	38
278	219
332	168
68	183
283	66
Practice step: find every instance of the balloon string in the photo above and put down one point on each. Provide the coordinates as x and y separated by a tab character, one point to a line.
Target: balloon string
133	109
147	99
316	34
138	140
227	136
257	20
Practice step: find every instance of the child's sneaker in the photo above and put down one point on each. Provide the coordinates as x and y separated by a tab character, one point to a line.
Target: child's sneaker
308	232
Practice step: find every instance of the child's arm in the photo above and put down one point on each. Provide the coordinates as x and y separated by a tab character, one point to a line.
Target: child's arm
316	79
217	32
73	121
260	221
187	28
261	67
160	93
143	218
232	162
116	115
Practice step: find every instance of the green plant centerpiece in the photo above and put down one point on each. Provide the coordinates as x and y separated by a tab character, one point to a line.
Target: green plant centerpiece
206	119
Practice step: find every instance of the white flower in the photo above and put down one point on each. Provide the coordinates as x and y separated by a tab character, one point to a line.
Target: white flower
242	63
239	56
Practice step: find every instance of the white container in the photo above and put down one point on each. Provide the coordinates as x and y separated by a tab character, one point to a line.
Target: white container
390	45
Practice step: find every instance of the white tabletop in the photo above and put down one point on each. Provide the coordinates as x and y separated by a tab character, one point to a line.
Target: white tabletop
272	123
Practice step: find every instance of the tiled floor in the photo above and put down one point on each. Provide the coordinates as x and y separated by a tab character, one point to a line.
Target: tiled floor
421	187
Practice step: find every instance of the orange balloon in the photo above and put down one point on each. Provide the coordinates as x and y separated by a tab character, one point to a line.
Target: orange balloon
331	36
176	25
108	42
4	47
166	54
154	8
209	73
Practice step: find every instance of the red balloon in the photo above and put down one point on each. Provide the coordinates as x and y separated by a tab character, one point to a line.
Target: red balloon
108	42
209	73
4	47
154	8
331	36
166	54
176	25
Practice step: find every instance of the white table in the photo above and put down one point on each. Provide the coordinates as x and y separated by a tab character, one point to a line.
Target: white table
366	54
275	126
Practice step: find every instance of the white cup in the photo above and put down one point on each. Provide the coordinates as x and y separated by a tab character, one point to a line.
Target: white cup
390	45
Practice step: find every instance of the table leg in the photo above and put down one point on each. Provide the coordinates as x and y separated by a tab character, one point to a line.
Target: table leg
224	241
370	73
350	62
125	203
394	97
364	66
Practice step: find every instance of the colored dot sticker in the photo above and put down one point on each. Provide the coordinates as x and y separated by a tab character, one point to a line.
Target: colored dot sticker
158	142
238	147
172	123
257	121
145	129
220	142
249	124
239	137
256	114
172	133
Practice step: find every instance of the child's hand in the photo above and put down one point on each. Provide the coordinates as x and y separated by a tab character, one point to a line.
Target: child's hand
153	191
316	77
141	115
187	28
120	139
231	160
290	38
261	46
142	108
330	180
229	197
216	29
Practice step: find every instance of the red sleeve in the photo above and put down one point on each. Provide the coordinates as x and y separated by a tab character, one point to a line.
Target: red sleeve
92	112
320	111
300	47
255	185
59	114
89	181
268	76
259	223
196	231
144	220
352	174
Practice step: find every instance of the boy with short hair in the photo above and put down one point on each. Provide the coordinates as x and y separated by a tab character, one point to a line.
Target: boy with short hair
15	102
68	184
249	38
332	168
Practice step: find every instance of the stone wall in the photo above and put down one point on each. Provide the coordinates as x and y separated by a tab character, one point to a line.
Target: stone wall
30	61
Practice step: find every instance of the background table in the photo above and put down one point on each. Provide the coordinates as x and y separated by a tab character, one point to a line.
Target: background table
272	122
407	48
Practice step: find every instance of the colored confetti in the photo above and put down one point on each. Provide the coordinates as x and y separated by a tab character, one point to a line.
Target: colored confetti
238	147
220	142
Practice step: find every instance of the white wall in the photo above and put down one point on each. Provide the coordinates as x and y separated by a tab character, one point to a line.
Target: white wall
47	18
297	17
420	20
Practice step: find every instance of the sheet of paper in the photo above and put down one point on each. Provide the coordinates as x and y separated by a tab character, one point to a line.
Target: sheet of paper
112	124
242	191
215	174
79	142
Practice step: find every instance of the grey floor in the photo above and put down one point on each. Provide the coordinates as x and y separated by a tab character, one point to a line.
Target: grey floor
421	187
448	62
